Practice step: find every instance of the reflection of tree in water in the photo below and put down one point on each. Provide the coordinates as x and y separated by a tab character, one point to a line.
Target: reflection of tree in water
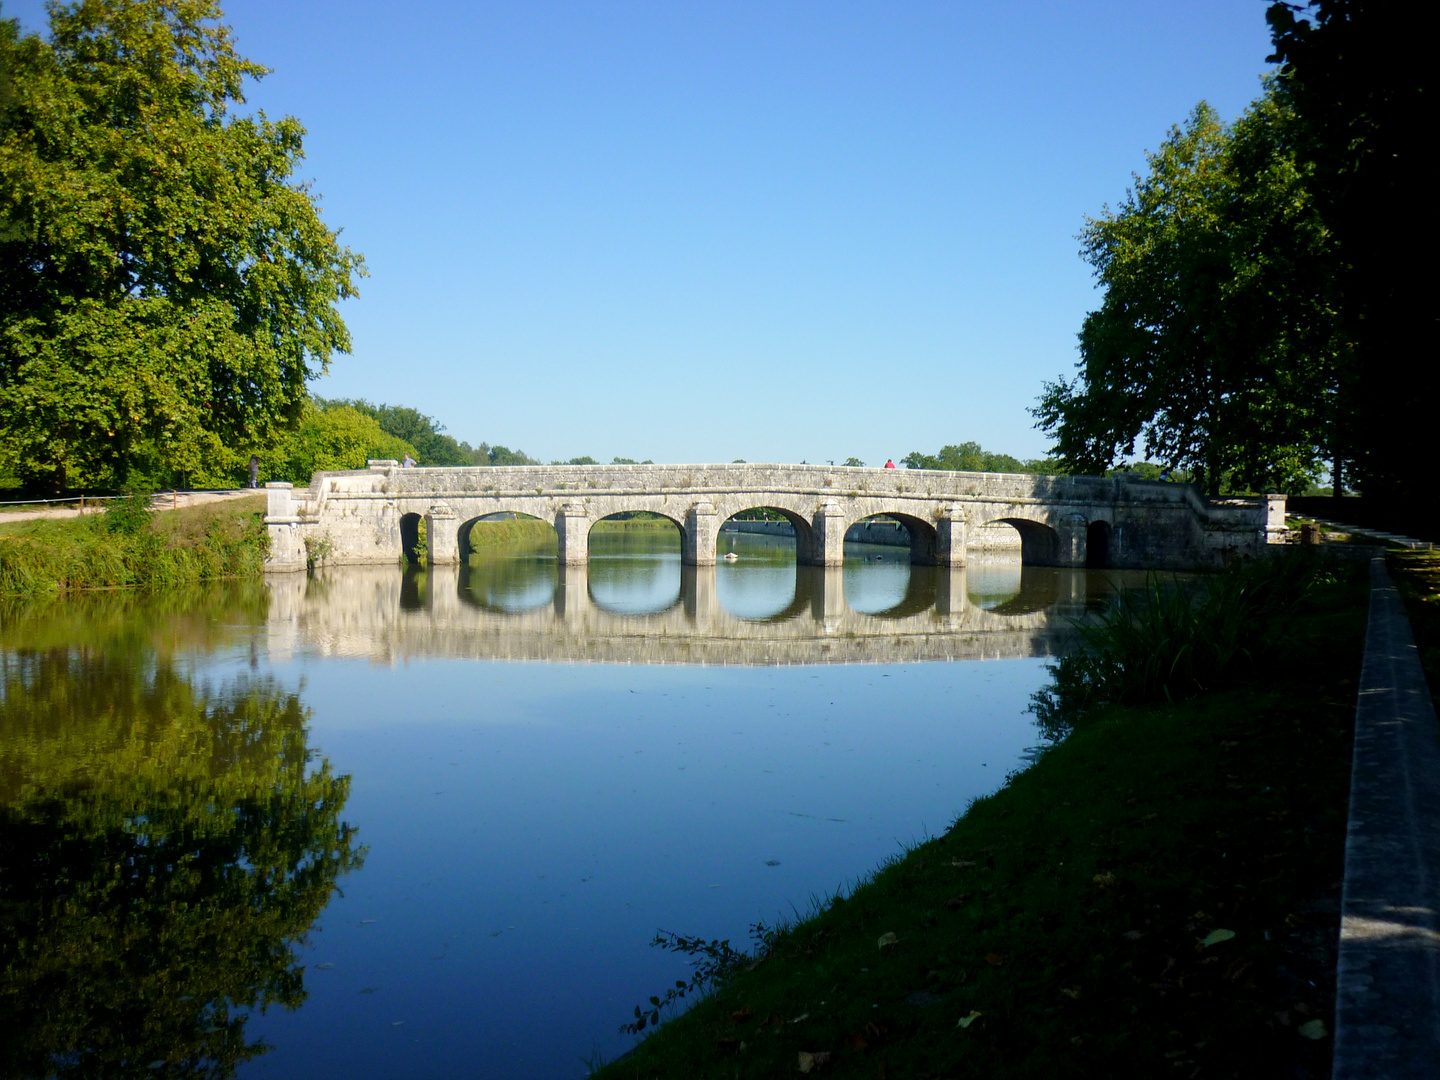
163	850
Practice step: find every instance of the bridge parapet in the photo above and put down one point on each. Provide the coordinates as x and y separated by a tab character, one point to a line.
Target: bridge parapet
360	516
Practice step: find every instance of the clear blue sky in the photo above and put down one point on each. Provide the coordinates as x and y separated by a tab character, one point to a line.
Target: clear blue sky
696	232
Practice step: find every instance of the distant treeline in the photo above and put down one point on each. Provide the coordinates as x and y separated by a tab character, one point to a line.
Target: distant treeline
344	433
971	457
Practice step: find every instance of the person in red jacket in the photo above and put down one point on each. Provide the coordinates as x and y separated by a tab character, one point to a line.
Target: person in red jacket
889	464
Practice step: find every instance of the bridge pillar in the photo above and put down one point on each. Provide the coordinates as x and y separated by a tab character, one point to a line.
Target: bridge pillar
700	534
572	529
442	542
829	535
282	521
1074	541
950	536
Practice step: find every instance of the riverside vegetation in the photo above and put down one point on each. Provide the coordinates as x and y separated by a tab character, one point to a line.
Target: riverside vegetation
1158	894
131	545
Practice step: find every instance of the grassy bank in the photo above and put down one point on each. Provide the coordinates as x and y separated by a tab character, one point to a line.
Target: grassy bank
116	549
1157	896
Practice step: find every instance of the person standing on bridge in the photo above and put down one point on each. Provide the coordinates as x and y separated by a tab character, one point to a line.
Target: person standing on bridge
889	464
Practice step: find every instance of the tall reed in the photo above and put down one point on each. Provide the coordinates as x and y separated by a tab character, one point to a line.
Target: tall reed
1175	639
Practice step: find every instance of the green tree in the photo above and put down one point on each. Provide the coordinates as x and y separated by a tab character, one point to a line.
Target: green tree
164	849
340	437
485	454
1216	344
972	457
422	432
1354	74
166	287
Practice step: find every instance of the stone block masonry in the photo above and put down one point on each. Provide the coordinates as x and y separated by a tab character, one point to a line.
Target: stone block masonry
362	516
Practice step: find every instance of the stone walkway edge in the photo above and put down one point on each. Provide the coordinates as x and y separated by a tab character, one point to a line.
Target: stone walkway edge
1387	1000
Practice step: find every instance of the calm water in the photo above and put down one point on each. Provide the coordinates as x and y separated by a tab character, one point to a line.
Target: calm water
424	825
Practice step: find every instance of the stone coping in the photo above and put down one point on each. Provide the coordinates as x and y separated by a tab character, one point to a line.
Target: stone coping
1387	1000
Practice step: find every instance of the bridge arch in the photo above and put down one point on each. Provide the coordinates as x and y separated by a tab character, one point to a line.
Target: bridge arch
801	528
1039	542
922	534
411	549
462	531
619	516
1097	545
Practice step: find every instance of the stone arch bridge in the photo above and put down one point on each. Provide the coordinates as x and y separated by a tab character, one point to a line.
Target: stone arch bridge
363	516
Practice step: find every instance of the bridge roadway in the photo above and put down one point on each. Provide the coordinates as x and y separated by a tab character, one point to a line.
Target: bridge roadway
386	615
373	515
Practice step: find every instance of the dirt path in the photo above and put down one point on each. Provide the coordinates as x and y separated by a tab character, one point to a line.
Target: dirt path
164	501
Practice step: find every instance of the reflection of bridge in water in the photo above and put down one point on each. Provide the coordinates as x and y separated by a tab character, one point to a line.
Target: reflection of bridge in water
386	614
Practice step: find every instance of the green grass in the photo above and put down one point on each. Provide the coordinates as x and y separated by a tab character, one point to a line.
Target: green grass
168	548
1066	913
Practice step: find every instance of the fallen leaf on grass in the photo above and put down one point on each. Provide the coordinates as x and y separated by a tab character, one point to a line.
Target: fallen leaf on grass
739	1016
957	901
1106	878
811	1062
802	1016
1215	937
966	1021
994	959
888	939
1312	1029
1072	992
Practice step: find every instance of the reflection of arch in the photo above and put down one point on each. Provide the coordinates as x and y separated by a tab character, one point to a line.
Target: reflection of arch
797	604
410	538
922	535
1039	590
413	594
496	584
463	532
1039	543
1097	545
921	591
804	531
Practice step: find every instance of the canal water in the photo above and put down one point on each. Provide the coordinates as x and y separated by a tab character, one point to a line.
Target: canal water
379	823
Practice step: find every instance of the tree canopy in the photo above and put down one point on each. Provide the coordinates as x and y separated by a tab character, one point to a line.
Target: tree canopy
1354	75
971	457
1215	349
166	287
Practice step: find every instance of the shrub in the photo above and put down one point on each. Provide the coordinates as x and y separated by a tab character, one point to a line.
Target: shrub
1176	639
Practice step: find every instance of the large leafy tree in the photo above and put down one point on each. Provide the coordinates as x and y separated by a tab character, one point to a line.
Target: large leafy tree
166	287
1215	347
1354	74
